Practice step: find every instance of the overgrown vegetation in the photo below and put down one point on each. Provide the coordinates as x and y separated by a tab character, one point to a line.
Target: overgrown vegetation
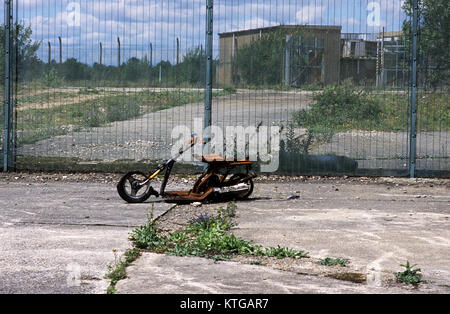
205	236
336	108
261	62
25	52
39	123
117	271
410	276
342	108
434	40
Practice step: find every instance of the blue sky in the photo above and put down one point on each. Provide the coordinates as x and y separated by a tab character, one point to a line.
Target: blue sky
141	22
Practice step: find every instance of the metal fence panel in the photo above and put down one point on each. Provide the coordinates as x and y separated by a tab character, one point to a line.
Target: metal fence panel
2	86
333	73
103	84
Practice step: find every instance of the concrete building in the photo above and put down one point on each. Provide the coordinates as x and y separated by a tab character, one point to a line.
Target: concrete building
359	58
310	58
374	59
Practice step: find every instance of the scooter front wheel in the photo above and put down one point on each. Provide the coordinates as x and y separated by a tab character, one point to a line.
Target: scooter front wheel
132	189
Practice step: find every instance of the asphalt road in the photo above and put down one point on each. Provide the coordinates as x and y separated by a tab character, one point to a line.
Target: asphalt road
150	136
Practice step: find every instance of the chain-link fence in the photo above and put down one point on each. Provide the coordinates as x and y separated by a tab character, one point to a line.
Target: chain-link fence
104	84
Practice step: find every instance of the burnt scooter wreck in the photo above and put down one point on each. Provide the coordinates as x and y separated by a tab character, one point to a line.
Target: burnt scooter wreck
216	182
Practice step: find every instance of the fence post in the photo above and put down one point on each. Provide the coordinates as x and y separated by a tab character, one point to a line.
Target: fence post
151	64
178	61
8	134
49	53
118	59
208	90
101	54
287	61
413	135
60	50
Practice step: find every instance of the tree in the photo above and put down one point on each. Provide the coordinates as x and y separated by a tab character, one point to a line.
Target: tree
192	67
72	70
261	61
23	52
433	43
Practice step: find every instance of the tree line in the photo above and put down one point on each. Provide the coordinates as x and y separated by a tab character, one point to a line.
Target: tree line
189	71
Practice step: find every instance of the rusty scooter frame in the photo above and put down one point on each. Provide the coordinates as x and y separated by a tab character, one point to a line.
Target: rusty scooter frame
217	182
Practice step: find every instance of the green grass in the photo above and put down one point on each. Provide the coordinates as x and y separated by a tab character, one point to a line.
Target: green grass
342	108
205	236
37	124
433	112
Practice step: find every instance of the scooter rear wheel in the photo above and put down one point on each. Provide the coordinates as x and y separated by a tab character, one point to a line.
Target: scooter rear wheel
131	189
238	178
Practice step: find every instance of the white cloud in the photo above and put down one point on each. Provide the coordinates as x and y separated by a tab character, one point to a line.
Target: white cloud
310	14
347	22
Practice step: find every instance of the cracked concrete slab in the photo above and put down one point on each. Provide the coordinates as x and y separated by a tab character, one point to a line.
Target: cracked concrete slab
162	274
376	226
58	237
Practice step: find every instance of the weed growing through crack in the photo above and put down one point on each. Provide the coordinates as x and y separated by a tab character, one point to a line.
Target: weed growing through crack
117	271
334	261
282	252
146	236
410	276
205	236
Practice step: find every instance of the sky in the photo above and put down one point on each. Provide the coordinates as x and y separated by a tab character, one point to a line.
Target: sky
83	24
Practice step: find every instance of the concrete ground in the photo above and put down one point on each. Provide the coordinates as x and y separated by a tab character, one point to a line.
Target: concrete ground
59	237
376	226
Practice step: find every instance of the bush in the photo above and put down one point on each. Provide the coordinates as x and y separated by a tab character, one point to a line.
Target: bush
121	109
52	79
340	108
337	108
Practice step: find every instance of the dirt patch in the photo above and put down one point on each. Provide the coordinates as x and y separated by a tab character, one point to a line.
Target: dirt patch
352	277
57	101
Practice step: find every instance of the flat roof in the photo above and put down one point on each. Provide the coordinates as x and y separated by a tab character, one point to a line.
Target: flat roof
265	29
390	34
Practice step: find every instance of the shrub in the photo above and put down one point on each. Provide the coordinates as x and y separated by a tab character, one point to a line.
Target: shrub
339	108
52	79
336	108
